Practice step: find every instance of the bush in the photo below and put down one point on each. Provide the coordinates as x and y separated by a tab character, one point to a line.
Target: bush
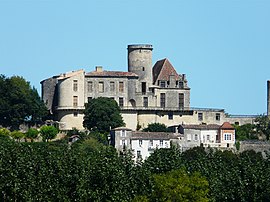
48	133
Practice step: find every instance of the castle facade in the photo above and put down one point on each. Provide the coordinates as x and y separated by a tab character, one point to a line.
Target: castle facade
145	93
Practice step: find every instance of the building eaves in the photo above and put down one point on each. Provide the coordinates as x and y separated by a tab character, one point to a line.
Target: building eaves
121	128
202	127
110	74
154	135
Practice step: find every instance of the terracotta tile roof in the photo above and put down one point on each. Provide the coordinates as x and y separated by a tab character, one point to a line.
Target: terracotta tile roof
226	125
154	135
70	74
162	70
202	127
111	74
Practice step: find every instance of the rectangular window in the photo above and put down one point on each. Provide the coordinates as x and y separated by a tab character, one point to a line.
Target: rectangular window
217	116
151	143
75	114
140	142
181	100
170	115
121	87
75	85
101	86
200	116
227	136
181	84
124	143
143	88
161	143
112	86
90	86
139	154
208	137
162	84
196	137
123	133
121	102
145	101
162	100
75	101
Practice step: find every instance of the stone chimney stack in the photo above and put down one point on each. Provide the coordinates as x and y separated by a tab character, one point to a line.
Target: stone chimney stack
268	98
99	69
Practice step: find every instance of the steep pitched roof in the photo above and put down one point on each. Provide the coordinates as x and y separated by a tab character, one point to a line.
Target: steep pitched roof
226	125
111	74
162	70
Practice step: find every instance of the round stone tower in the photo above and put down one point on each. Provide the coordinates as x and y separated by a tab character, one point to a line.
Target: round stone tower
140	62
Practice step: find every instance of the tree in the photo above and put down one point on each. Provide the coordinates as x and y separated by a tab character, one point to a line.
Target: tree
178	185
17	135
164	160
4	132
102	114
262	125
32	133
156	127
246	131
48	132
19	102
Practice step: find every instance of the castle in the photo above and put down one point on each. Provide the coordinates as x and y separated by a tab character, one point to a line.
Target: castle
145	93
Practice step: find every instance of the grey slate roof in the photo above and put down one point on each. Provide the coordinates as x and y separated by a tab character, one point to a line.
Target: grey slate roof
202	127
154	135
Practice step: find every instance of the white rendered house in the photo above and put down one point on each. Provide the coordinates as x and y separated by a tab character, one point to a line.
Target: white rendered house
142	144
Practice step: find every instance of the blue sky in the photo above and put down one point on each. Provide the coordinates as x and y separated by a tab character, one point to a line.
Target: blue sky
223	46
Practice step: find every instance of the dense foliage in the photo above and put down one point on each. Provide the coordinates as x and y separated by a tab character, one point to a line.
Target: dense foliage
48	132
156	127
262	124
19	103
260	129
32	134
88	170
102	114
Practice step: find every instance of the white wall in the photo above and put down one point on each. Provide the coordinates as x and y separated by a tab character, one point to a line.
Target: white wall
146	148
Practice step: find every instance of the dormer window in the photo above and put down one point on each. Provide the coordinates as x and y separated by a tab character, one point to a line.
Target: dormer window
162	84
181	84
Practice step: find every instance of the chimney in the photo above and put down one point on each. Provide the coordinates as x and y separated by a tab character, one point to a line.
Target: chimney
99	69
183	77
268	98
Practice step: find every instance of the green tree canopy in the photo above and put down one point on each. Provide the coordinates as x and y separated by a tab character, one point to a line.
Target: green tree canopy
245	132
102	114
32	133
4	132
19	102
48	132
178	185
156	127
262	125
17	135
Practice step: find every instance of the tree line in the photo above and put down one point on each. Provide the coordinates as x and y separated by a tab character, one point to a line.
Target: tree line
89	170
20	103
